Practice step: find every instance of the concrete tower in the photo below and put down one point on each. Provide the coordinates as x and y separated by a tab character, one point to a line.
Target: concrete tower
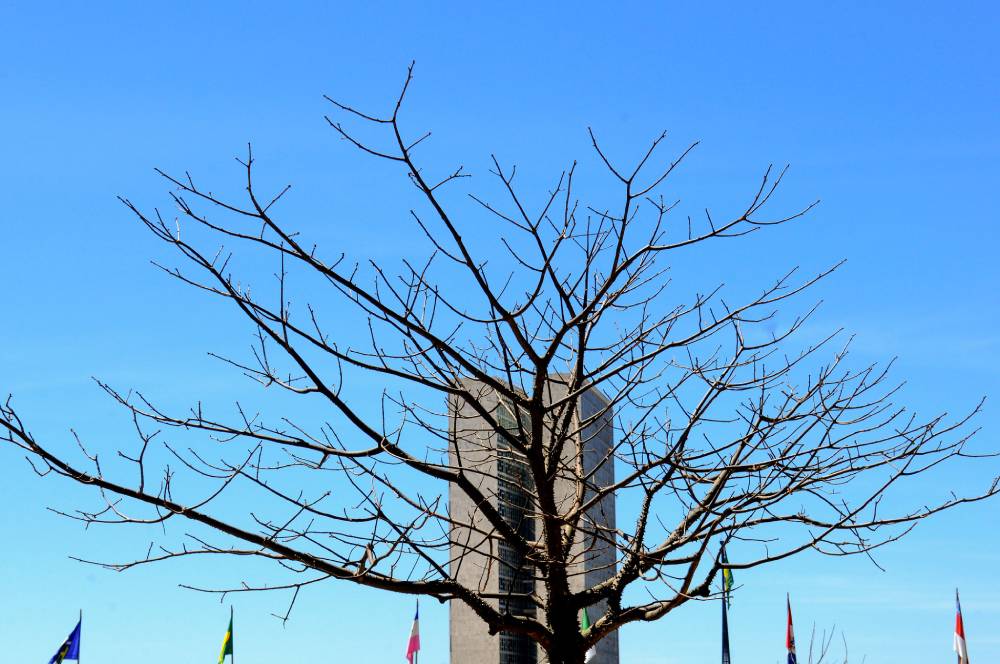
502	475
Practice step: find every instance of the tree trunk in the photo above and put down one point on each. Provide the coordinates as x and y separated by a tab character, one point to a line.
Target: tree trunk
559	654
567	647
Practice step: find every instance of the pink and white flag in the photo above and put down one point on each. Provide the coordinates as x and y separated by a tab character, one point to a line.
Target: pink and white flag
959	644
790	634
414	645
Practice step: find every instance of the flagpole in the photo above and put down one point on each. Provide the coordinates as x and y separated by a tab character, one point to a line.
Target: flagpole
725	635
726	657
726	582
80	640
232	635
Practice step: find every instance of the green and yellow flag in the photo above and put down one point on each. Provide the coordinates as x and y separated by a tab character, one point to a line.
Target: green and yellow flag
727	577
227	641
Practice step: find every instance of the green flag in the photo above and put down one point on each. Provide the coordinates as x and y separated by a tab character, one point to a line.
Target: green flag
584	628
727	587
227	641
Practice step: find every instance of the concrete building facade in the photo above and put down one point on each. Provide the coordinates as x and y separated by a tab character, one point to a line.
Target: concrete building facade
492	567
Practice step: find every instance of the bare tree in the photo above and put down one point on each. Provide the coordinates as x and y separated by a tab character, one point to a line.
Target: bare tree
821	648
727	432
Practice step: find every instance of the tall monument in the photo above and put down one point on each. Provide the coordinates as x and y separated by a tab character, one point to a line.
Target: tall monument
485	562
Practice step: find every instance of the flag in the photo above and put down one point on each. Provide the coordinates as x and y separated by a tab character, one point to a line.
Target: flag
227	640
725	635
727	586
584	628
70	649
727	577
414	645
959	645
790	635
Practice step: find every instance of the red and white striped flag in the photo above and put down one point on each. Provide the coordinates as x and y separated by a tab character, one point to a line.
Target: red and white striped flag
959	645
414	644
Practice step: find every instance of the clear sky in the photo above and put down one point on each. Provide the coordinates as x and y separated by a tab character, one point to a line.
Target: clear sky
886	111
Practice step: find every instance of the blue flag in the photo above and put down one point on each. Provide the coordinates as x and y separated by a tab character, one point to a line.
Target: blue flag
70	649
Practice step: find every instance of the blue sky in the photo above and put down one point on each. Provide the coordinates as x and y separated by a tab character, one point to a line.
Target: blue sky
887	113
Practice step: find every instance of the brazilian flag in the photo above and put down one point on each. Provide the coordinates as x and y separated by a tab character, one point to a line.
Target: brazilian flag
727	577
227	641
727	587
